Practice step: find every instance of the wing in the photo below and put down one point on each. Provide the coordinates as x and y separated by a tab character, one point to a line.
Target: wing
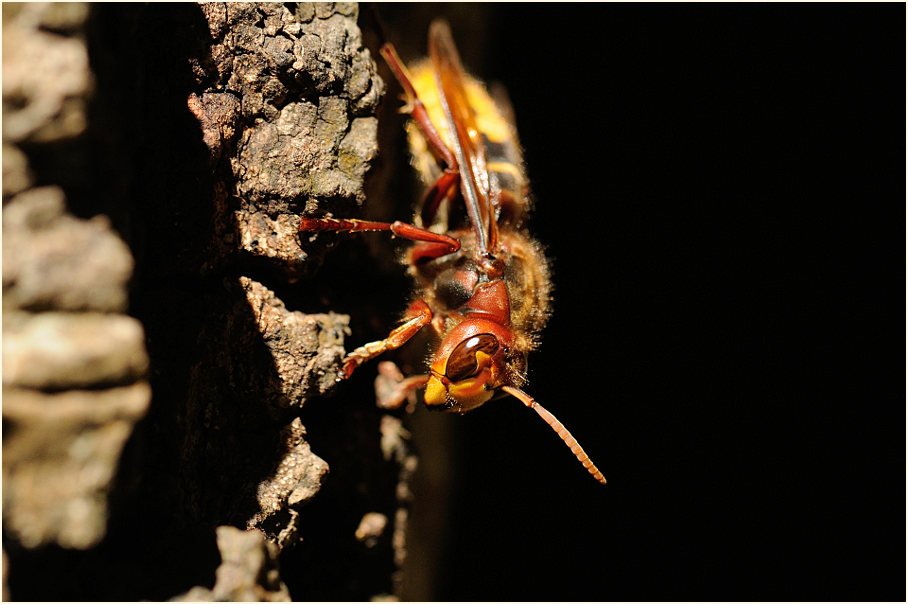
467	144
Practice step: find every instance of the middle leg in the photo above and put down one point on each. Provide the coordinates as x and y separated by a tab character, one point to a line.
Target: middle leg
417	316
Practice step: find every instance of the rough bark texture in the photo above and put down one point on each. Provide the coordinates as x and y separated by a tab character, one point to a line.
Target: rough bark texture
74	366
197	134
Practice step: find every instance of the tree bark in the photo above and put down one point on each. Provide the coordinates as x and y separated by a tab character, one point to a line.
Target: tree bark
197	134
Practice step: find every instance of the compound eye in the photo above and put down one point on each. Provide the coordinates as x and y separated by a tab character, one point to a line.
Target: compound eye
462	363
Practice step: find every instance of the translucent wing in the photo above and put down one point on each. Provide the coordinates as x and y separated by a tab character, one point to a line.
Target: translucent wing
467	144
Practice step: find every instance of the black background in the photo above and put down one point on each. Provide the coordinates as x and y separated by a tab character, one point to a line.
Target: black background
721	188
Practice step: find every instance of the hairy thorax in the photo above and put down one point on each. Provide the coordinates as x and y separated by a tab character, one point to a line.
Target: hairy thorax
456	288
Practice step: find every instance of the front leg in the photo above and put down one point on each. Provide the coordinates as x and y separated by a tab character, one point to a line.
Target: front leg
445	243
392	389
418	315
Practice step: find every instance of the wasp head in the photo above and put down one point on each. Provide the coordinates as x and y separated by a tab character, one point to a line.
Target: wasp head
470	366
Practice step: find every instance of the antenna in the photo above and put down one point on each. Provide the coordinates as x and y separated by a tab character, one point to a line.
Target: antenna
559	428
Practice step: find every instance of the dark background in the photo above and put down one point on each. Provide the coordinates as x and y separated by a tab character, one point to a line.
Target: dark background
722	191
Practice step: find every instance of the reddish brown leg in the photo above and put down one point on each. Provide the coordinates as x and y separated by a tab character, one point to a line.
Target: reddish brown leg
392	389
417	316
416	109
401	229
437	193
451	175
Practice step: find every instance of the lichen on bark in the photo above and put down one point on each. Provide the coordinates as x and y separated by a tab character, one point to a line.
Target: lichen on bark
287	108
305	90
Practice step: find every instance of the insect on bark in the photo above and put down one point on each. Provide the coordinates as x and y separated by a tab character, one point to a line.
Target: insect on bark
483	283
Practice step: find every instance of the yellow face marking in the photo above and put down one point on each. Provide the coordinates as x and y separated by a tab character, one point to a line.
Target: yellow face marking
468	393
435	395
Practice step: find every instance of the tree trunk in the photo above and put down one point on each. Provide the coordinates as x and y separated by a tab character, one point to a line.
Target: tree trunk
197	135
